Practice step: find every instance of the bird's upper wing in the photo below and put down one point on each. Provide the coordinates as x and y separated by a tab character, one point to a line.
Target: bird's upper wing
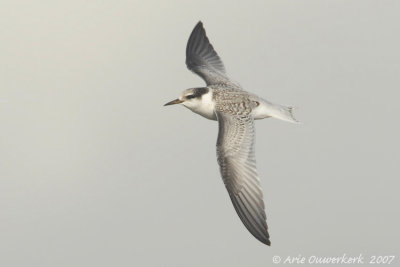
202	59
236	158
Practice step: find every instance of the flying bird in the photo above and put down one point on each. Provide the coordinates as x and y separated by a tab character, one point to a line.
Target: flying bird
224	100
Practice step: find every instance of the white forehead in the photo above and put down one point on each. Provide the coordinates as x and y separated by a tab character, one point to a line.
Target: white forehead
188	91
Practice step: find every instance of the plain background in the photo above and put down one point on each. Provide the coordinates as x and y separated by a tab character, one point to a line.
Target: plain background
94	171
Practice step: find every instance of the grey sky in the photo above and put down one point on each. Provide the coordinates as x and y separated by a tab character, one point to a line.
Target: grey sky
94	171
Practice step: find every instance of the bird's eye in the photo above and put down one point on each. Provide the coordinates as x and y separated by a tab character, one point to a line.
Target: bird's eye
190	96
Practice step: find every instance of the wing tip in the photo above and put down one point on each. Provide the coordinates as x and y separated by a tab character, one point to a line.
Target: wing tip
199	26
266	242
263	239
193	41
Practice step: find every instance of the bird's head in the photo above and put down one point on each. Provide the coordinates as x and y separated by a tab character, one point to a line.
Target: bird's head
190	98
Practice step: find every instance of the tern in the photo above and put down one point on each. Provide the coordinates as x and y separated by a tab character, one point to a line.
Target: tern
235	110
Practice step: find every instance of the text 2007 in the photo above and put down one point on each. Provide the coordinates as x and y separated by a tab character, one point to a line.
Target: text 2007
381	259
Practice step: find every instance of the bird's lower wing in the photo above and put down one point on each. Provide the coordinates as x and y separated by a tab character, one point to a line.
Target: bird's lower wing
236	158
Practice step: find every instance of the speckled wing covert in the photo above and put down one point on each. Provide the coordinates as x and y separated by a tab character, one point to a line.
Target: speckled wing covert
236	157
202	59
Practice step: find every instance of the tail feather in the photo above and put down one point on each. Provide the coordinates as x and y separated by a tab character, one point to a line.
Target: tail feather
291	115
285	113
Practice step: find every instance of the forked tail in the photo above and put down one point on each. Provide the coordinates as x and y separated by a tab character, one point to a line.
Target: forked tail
284	113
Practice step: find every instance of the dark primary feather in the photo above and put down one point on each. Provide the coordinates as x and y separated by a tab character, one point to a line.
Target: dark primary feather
202	59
